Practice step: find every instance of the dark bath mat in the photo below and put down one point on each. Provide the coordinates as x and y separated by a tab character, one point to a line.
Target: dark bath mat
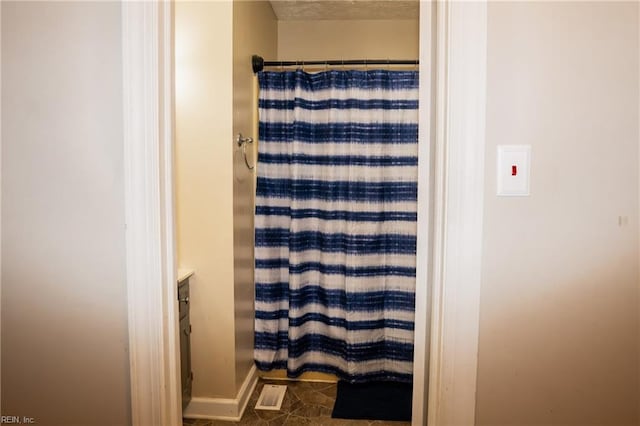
373	401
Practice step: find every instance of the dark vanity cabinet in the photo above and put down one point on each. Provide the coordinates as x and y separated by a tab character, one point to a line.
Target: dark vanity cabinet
185	341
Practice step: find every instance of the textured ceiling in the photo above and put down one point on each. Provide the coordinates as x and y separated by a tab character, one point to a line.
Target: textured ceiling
303	10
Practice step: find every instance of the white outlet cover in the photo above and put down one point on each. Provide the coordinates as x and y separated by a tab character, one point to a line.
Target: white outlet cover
513	174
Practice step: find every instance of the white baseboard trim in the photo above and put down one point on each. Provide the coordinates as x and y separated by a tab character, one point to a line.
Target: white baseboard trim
230	409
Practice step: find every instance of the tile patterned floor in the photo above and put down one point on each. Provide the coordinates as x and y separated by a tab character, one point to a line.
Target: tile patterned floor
305	403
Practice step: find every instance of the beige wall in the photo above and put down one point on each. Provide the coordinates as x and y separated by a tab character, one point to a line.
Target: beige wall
64	301
354	39
204	187
254	32
559	302
215	101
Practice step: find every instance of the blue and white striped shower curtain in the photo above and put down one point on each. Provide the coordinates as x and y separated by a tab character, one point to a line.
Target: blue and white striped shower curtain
335	236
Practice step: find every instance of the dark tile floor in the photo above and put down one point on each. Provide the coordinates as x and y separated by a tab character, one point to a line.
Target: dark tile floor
305	403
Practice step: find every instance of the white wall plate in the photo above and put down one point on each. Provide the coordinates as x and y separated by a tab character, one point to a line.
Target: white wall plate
513	173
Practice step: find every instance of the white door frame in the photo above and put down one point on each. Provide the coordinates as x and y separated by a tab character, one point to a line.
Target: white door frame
452	97
154	357
459	144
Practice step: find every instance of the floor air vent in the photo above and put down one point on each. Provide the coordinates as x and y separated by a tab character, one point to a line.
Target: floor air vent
271	397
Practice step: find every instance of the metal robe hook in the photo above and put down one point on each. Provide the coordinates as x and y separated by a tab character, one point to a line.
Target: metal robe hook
242	142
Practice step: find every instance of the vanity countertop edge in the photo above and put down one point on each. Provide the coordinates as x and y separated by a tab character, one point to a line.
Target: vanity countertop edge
183	274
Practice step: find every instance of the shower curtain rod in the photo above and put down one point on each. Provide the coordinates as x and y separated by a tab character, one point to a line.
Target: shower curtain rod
258	63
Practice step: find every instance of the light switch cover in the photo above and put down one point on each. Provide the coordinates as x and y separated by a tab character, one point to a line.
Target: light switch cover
514	162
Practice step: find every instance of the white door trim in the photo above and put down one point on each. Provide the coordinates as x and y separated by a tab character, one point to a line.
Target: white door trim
454	229
424	225
147	56
458	207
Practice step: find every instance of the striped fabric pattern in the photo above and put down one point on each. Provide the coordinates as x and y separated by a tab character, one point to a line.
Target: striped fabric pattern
335	236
